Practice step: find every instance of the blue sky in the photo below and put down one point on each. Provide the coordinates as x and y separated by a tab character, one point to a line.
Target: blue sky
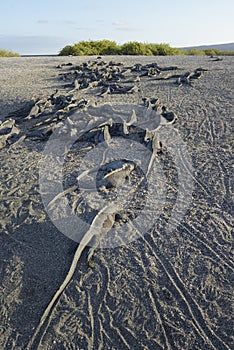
46	26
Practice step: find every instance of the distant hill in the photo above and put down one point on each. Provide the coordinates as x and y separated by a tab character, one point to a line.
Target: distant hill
229	47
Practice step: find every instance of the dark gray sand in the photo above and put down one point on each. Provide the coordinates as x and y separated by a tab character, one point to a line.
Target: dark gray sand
165	290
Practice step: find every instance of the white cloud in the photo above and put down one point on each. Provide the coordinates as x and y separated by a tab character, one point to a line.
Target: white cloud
119	23
66	21
128	29
84	28
124	26
60	21
42	21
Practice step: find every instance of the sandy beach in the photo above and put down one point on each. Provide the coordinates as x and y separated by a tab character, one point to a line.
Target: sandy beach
167	289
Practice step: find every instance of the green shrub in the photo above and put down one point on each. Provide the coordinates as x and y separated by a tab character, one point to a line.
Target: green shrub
135	48
86	48
211	52
164	50
226	53
195	52
108	47
67	51
216	52
6	53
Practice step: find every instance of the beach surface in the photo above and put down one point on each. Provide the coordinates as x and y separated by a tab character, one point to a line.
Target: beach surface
166	289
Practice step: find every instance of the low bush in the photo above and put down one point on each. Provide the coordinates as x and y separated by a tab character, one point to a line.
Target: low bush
195	52
135	48
108	47
164	50
6	53
86	48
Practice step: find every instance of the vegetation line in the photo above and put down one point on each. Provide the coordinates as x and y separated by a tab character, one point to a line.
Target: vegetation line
108	47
